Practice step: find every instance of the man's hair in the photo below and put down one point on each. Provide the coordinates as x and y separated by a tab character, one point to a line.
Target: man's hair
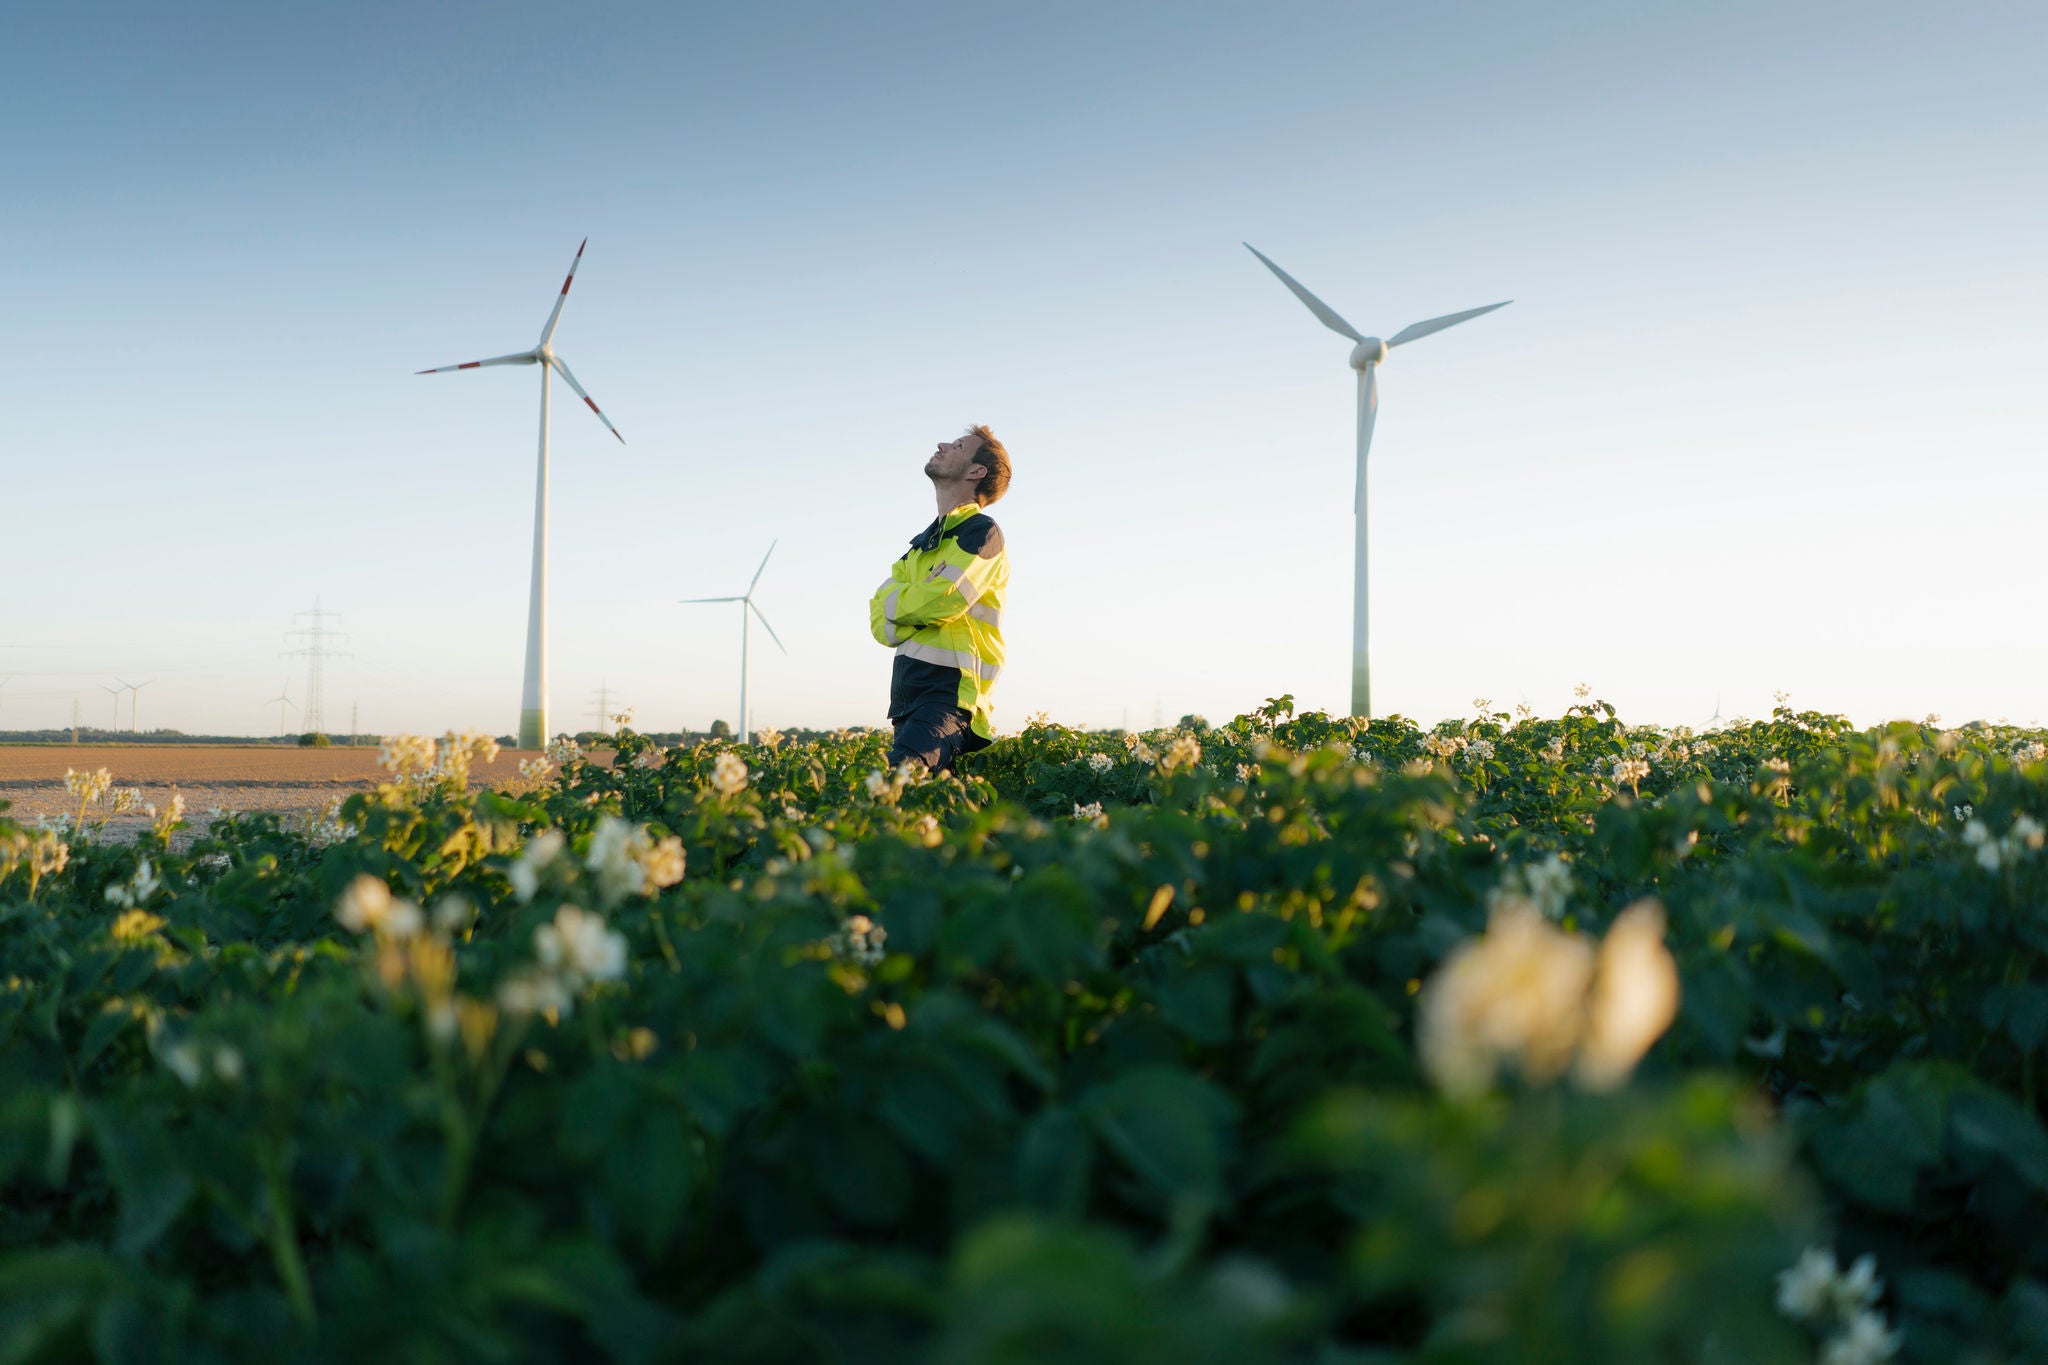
996	461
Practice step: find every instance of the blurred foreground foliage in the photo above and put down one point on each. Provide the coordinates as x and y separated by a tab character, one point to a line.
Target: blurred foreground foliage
962	1069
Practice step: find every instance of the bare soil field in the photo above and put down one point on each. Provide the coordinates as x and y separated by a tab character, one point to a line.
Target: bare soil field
232	777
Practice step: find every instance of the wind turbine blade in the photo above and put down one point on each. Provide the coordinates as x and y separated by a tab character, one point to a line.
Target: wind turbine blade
547	333
687	601
764	564
770	629
562	368
522	358
1323	311
1417	330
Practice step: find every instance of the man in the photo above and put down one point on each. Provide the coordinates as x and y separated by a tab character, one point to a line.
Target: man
941	608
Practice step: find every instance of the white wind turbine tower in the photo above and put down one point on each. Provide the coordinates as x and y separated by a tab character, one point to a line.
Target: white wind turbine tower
283	699
1366	357
747	601
533	696
134	703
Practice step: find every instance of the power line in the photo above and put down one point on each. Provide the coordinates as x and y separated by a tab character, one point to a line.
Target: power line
315	644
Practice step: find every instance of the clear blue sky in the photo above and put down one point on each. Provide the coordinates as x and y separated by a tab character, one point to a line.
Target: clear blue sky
1768	411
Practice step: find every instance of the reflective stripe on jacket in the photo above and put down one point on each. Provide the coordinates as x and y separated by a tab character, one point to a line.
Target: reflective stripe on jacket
941	610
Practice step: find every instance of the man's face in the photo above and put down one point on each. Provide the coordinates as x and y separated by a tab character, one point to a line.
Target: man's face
953	459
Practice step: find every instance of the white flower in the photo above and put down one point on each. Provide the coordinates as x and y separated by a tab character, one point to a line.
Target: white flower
860	940
536	769
524	874
1479	751
88	786
1101	763
453	913
48	854
402	754
1246	772
1634	999
1629	770
1858	1290
1528	992
649	758
136	890
664	864
166	821
628	863
1806	1289
1091	811
1184	752
926	829
534	993
562	749
1516	991
125	799
368	906
1582	691
363	904
1550	885
2031	752
1554	751
1444	746
184	1062
579	947
1963	812
768	739
1863	1341
611	856
729	774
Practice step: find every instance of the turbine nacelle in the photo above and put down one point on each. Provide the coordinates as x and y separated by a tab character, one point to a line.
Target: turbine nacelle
1370	351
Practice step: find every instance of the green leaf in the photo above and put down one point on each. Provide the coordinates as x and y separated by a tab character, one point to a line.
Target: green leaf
1055	1162
1167	1127
2026	1018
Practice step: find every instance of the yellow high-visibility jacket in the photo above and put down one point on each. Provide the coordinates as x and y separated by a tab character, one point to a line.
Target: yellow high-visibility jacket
941	610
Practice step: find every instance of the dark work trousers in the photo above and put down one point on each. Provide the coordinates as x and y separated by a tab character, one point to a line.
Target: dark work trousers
937	734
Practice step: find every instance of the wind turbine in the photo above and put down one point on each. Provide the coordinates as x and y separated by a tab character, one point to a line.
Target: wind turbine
533	695
134	703
116	694
747	599
283	699
1366	357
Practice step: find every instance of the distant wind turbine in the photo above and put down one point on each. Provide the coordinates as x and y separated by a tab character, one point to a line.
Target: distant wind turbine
747	601
533	696
116	693
1366	357
134	703
283	699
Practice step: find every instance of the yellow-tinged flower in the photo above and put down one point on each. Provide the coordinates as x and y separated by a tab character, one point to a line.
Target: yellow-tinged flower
402	754
1518	991
368	906
88	787
729	774
1635	997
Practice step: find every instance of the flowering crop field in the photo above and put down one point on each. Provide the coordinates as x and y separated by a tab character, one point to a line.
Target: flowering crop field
1294	1039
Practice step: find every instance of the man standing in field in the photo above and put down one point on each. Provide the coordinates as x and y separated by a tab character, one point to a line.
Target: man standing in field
941	608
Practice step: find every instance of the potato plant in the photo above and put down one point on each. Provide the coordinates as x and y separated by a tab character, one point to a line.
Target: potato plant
1110	1048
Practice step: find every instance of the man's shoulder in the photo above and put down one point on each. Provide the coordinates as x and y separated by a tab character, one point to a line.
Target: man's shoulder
979	535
